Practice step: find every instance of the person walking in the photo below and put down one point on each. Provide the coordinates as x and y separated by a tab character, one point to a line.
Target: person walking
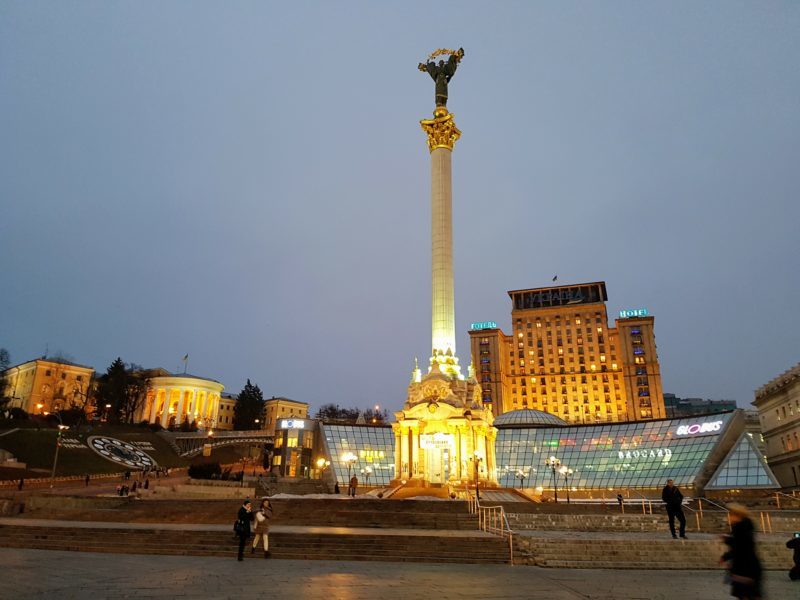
351	491
673	499
794	544
87	480
744	568
147	483
242	526
21	484
262	518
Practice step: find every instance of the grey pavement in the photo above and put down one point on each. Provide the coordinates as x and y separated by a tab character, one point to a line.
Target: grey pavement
52	574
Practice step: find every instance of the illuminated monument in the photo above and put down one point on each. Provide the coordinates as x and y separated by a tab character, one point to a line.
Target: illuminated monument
444	434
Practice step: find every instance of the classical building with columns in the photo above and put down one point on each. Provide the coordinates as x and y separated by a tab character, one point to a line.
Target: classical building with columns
170	399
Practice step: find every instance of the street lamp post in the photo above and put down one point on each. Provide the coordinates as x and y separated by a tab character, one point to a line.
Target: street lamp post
476	461
350	459
367	473
567	473
553	462
61	429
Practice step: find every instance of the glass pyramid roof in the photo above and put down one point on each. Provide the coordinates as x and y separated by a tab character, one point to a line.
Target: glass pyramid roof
744	467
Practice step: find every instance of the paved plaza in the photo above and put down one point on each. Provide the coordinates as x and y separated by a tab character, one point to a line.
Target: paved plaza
50	574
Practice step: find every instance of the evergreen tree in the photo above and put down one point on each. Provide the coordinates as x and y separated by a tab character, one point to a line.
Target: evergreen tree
123	388
249	407
112	390
5	361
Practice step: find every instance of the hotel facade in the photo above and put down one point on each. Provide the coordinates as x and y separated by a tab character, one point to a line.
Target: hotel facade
563	358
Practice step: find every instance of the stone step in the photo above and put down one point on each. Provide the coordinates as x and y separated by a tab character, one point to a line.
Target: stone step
639	553
323	546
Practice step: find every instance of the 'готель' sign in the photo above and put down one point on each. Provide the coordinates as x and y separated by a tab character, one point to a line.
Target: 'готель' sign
483	325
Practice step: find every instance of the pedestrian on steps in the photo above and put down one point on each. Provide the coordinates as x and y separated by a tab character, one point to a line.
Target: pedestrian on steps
262	518
87	480
744	568
673	498
794	544
351	491
242	526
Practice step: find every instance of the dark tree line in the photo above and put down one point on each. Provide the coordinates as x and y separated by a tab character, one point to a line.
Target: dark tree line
123	389
334	412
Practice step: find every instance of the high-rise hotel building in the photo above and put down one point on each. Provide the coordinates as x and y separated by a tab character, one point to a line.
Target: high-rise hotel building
563	358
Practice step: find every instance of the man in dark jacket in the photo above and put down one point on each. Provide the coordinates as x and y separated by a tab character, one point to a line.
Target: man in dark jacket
794	544
243	526
673	498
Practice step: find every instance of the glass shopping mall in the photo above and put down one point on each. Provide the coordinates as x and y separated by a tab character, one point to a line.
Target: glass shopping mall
711	452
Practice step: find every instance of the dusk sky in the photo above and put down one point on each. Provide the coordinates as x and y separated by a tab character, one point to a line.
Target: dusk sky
247	182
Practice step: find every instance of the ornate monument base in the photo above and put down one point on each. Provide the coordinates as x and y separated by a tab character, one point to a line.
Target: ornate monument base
444	434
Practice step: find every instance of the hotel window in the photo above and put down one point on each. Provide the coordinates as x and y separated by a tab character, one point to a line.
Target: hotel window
47	373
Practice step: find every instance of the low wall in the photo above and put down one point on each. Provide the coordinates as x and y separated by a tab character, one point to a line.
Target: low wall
711	522
74	502
632	553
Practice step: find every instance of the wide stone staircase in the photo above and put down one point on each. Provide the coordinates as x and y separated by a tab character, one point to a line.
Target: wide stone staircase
295	543
335	529
336	512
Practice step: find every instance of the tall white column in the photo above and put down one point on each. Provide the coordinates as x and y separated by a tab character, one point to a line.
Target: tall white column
151	418
179	413
165	409
442	135
443	329
214	407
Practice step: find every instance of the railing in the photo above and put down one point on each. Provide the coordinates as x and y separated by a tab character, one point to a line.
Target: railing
645	499
697	516
491	519
778	496
190	443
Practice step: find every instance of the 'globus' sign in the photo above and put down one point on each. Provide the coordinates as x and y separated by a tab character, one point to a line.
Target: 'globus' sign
483	325
292	424
696	428
633	312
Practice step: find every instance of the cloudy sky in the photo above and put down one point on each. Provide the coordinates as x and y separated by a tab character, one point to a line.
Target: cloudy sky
247	182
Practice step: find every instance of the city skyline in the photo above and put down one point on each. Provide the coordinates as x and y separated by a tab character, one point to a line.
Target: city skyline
203	180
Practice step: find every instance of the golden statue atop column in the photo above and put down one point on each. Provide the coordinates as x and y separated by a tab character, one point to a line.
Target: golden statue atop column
444	434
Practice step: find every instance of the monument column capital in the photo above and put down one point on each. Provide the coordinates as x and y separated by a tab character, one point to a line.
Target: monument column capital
441	130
